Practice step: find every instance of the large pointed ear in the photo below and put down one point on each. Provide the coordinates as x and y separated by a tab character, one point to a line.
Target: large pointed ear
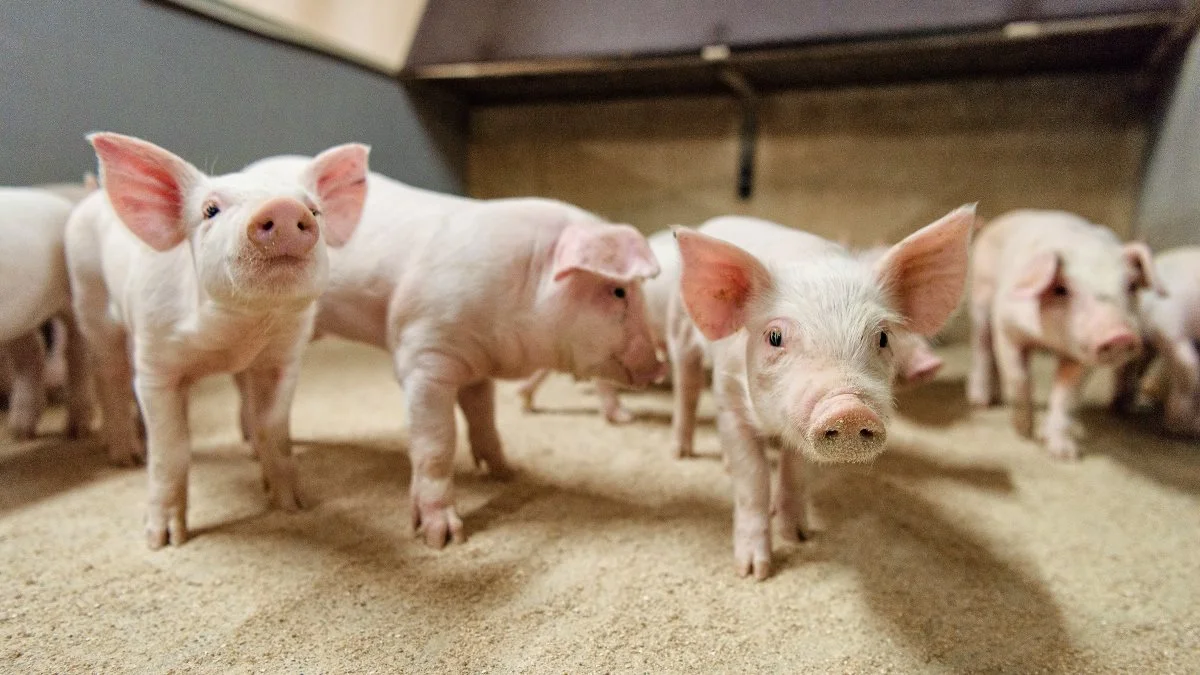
1137	255
617	252
927	271
718	282
147	187
1039	274
338	179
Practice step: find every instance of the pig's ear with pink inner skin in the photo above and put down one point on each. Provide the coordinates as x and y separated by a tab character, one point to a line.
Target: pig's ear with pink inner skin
616	252
1137	255
1040	273
718	282
147	187
338	179
927	271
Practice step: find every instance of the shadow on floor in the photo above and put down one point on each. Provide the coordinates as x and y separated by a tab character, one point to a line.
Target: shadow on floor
1139	443
939	403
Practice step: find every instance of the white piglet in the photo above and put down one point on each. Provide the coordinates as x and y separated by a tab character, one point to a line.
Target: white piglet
33	289
658	292
463	291
1051	280
801	350
1171	329
179	275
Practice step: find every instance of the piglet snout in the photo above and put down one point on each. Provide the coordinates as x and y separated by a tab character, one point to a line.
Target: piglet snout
845	429
283	227
1119	346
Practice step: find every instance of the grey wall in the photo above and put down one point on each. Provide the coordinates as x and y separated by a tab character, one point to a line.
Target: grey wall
213	94
454	31
1169	212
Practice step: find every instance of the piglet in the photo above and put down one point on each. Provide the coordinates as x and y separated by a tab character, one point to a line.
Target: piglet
1051	280
34	289
179	275
657	291
1170	329
802	350
463	291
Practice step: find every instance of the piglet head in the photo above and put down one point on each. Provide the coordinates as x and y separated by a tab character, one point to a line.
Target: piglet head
603	330
820	357
255	238
1088	309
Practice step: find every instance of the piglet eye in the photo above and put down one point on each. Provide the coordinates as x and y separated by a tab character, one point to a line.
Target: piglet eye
315	211
619	292
210	210
883	340
1061	290
775	337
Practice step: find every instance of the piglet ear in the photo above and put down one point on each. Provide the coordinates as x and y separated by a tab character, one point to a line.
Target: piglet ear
616	252
927	270
338	179
1040	273
1137	255
718	282
147	187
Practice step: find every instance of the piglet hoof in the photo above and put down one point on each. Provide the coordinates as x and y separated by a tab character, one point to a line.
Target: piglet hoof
1062	447
618	415
753	558
165	526
492	463
284	496
438	525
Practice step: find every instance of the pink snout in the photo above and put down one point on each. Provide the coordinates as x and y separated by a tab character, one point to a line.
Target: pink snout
283	227
845	429
1117	347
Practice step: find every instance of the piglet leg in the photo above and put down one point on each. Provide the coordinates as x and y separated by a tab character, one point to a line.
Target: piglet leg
28	397
1183	374
79	396
528	388
981	380
610	403
1012	361
430	400
687	377
751	495
478	403
1056	428
168	454
791	497
270	389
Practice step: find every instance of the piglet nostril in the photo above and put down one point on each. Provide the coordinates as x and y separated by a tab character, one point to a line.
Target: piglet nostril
866	433
832	433
266	227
